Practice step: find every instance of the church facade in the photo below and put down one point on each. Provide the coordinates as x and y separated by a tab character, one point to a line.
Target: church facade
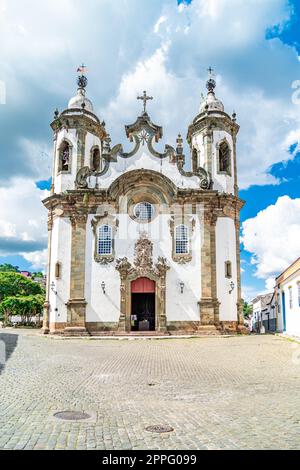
137	243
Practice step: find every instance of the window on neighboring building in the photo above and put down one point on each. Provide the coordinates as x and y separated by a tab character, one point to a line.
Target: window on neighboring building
64	156
224	158
278	303
182	239
105	240
291	297
228	269
144	212
96	159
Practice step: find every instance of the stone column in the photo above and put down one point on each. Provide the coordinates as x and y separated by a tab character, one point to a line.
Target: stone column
209	305
208	139
123	266
46	311
81	135
161	268
77	303
236	189
240	317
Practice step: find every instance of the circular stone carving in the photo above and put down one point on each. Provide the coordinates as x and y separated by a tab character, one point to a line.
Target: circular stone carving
160	429
71	415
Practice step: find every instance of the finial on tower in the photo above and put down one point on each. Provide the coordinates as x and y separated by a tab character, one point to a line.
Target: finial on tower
211	82
82	80
144	98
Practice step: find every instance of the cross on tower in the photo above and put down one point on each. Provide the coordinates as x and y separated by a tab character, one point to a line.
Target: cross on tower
210	71
145	98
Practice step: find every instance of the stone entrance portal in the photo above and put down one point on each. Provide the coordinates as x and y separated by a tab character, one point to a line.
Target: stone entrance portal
143	304
143	275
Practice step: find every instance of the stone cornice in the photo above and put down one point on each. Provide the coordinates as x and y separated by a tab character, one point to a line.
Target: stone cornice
82	121
87	201
211	121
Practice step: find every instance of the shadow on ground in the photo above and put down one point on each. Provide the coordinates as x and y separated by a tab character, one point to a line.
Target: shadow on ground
8	343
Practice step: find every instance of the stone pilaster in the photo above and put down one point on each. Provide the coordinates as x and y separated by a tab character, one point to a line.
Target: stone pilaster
209	305
46	311
77	303
161	301
81	135
208	139
240	317
236	189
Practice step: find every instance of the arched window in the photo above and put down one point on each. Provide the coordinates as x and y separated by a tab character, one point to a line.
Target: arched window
58	270
96	159
224	158
194	160
181	239
105	240
228	269
64	156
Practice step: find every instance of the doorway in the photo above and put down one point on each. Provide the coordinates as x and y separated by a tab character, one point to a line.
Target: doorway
143	305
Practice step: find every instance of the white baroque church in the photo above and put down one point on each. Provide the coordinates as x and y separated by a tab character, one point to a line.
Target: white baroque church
138	244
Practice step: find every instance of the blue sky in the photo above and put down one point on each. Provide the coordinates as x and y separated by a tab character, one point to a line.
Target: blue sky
166	47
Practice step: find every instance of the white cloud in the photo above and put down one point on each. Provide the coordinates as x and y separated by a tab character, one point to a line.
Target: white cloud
155	46
23	221
162	19
38	259
273	237
250	292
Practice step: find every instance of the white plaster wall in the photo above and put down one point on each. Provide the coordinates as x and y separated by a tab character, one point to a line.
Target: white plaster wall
60	251
143	159
106	308
226	251
65	181
292	315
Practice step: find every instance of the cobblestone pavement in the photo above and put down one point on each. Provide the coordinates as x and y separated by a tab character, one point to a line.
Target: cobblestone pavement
217	393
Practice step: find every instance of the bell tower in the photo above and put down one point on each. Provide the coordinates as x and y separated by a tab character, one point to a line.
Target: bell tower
78	139
212	139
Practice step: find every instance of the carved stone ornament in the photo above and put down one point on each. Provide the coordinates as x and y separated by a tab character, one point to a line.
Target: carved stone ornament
143	132
143	253
143	261
78	218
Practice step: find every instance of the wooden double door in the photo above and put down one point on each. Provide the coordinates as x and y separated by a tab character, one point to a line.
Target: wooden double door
143	304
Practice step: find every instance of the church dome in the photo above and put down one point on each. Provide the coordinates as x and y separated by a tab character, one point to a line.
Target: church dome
211	103
78	100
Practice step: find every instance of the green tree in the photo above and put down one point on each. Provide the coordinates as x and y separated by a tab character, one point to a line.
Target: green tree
8	268
14	284
247	310
38	274
24	306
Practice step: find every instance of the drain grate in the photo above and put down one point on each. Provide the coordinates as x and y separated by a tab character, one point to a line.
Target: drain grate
71	415
160	429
